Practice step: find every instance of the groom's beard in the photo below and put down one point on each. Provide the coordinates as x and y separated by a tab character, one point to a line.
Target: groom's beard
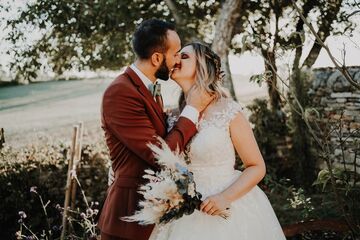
163	72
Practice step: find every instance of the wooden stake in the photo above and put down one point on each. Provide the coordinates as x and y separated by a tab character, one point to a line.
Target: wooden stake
2	138
68	182
77	160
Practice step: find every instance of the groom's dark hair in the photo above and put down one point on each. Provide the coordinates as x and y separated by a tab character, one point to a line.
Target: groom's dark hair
150	36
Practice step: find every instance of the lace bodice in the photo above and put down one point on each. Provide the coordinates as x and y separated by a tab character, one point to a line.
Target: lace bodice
212	145
211	151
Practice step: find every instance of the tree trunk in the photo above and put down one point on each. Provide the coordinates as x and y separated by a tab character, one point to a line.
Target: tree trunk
229	15
303	159
324	31
270	65
269	54
302	145
187	34
173	9
228	83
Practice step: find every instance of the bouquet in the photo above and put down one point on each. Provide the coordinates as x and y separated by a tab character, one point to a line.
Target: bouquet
170	192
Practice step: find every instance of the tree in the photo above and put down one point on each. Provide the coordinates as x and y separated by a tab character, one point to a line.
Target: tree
273	28
229	15
329	13
94	34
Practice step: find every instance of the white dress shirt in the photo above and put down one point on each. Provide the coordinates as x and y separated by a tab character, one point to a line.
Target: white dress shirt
189	111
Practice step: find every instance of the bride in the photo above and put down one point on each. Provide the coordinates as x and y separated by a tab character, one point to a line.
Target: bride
221	129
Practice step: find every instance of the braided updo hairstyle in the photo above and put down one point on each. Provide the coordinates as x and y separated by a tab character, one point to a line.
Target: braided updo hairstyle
208	74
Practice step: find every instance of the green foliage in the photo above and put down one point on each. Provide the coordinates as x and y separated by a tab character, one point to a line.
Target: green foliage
93	34
348	188
260	78
330	16
329	196
270	134
291	204
45	167
274	29
296	205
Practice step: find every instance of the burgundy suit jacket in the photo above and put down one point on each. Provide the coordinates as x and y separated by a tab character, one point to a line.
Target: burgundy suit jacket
131	119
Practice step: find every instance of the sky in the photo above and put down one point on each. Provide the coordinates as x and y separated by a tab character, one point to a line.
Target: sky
246	64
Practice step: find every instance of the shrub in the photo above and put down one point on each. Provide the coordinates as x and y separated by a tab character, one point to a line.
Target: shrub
45	166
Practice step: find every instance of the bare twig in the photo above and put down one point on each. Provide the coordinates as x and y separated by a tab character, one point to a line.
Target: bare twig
353	13
357	4
344	55
342	142
32	233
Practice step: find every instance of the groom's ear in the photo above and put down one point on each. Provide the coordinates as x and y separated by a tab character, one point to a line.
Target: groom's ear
157	59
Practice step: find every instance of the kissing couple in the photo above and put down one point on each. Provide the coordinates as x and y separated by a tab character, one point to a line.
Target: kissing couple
210	127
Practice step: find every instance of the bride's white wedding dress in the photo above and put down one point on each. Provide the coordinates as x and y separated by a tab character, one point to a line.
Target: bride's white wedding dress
212	157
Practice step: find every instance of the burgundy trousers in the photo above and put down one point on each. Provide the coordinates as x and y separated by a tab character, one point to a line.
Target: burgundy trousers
105	236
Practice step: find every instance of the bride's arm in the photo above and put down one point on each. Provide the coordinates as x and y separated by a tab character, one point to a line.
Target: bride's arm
246	146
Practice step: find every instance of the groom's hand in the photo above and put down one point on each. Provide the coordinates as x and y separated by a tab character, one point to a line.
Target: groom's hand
215	205
198	98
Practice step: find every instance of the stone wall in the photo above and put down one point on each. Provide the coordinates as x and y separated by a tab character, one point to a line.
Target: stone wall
335	98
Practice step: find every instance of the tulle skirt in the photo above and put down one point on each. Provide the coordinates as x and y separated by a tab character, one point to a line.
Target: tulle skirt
251	216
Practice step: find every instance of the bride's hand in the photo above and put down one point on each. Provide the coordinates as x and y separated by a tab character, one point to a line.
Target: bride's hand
198	98
215	205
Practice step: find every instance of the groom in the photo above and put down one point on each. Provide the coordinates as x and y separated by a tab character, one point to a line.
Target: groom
132	116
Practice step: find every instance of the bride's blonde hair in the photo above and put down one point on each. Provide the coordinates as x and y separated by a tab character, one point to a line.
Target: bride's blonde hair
208	76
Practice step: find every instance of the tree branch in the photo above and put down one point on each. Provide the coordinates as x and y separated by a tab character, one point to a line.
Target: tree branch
173	9
353	13
342	69
229	14
323	32
308	6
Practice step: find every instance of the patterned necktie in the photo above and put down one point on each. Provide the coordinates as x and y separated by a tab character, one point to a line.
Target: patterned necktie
155	90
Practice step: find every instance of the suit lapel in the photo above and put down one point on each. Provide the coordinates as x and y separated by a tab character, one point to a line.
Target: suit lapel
146	93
